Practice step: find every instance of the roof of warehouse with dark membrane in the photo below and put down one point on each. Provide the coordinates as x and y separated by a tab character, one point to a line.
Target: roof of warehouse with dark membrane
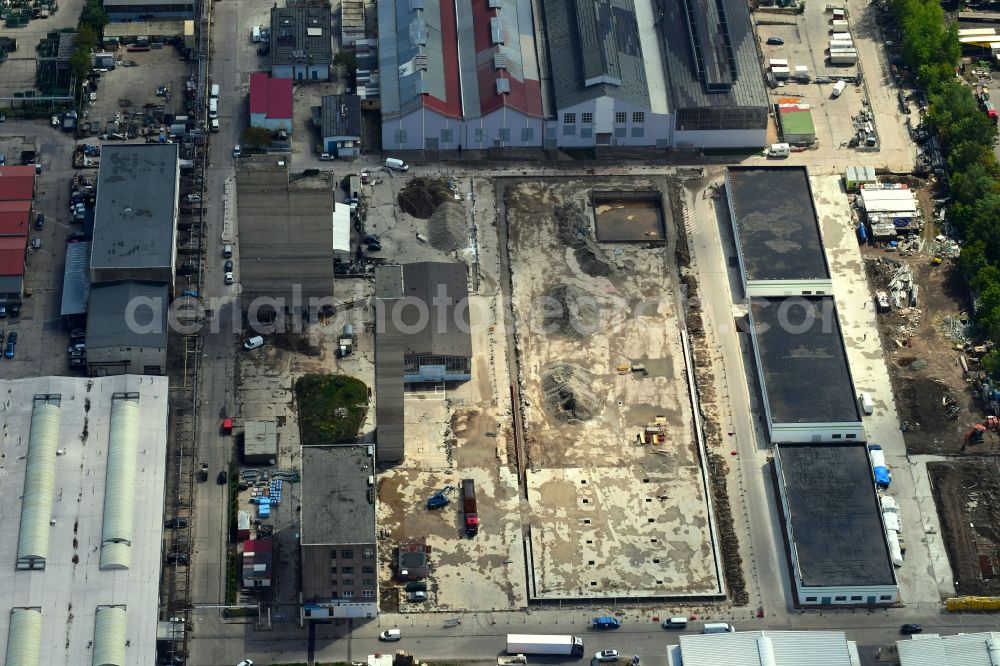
776	223
803	362
835	515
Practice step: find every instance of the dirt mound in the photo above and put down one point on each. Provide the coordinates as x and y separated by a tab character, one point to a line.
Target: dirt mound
447	229
570	311
568	393
572	224
422	196
594	262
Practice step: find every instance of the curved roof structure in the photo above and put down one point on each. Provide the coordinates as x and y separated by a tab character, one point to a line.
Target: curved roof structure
24	639
39	486
119	491
109	636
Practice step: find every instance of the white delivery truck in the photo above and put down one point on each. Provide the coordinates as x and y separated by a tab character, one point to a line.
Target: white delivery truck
838	88
779	150
396	165
561	645
215	91
717	628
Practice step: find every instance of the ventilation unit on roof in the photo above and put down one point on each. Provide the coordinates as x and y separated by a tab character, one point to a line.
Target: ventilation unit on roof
503	86
500	61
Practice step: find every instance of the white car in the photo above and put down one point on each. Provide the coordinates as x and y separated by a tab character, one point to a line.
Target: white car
390	635
606	655
229	278
194	198
246	662
237	150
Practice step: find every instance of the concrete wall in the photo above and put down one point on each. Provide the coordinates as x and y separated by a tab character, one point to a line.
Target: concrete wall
126	360
320	584
301	72
273	124
425	129
330	145
655	130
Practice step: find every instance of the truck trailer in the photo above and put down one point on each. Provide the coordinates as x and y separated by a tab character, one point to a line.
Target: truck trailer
562	645
879	469
469	504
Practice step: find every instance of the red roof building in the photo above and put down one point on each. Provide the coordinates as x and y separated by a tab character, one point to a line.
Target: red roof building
270	102
257	563
17	183
12	253
15	217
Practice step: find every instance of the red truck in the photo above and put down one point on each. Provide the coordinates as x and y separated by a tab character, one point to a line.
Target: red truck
469	500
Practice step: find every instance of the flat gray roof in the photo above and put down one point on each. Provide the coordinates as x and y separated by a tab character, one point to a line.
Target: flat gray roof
301	36
776	223
338	502
835	515
286	234
260	438
803	362
443	288
340	116
108	325
389	282
68	592
136	206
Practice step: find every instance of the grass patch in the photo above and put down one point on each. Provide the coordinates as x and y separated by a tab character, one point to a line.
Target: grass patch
331	408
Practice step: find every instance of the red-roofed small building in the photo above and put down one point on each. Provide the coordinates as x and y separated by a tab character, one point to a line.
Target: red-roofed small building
270	102
12	254
17	183
258	563
15	218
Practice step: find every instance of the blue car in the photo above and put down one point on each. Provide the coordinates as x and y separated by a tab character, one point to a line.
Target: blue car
11	345
606	622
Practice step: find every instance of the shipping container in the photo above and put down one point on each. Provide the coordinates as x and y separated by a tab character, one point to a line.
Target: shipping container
780	72
777	62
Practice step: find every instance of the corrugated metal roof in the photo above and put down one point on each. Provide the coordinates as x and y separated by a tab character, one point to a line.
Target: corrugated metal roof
76	279
961	650
299	36
14	217
39	486
12	253
340	116
109	636
342	228
595	51
24	637
768	648
119	491
443	288
17	183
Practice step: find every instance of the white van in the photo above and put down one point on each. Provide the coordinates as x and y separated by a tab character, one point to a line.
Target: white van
397	165
255	33
838	88
717	628
215	91
779	150
675	623
213	108
867	405
254	342
227	251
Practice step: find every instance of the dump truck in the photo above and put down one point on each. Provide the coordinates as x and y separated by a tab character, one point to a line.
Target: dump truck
560	645
469	503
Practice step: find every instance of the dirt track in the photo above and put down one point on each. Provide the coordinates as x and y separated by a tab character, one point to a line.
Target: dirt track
967	495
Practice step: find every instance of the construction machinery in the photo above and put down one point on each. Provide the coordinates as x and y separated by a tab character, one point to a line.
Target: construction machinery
978	431
439	500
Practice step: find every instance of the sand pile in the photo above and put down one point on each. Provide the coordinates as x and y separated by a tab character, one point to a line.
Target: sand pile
422	196
447	229
570	311
568	393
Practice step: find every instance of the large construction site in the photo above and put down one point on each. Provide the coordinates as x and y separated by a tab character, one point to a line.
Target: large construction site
577	425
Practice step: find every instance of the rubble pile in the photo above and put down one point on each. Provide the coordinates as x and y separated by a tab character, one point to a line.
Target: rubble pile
570	311
447	229
572	224
422	196
568	393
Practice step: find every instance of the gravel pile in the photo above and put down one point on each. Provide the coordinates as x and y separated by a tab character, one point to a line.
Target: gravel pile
447	229
568	393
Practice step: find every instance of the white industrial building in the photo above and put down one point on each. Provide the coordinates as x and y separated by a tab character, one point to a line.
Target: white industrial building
833	526
978	649
890	204
83	484
778	241
764	648
801	363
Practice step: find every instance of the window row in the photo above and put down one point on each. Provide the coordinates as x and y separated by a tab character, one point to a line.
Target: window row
621	117
348	554
346	594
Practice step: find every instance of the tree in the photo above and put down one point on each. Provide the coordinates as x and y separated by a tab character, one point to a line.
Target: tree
347	59
255	137
79	62
94	16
